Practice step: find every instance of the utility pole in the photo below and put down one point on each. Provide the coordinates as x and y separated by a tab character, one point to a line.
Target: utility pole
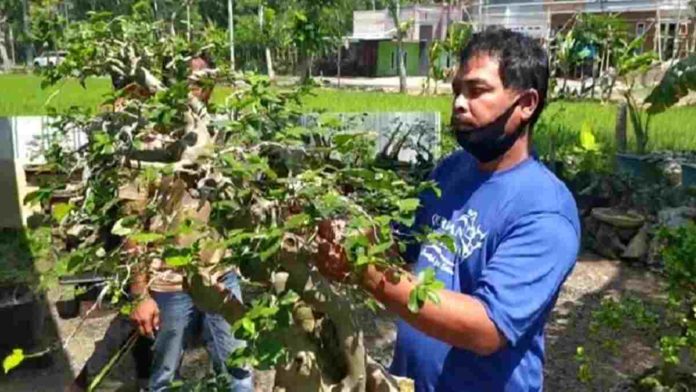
480	15
230	26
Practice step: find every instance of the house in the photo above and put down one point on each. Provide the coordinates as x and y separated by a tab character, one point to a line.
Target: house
527	16
668	25
372	49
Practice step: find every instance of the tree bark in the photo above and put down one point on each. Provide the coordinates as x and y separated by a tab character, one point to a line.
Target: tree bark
395	10
621	126
4	58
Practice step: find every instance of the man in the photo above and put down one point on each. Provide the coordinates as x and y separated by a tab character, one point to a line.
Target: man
167	313
515	227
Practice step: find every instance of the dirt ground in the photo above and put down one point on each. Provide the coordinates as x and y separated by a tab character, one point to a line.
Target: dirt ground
568	328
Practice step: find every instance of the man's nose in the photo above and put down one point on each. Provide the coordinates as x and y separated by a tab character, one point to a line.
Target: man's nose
461	104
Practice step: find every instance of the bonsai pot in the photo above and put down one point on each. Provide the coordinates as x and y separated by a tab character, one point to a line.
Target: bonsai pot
638	166
689	175
23	313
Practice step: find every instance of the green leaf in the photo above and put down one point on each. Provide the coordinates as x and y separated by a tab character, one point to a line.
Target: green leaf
270	251
413	305
588	142
13	360
120	228
380	248
289	298
433	297
677	82
408	205
146	238
270	351
178	261
296	221
248	326
61	210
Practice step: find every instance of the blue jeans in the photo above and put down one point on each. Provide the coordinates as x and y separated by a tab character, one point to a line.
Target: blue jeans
179	320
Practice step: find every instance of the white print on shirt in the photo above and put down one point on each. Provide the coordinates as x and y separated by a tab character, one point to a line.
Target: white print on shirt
468	237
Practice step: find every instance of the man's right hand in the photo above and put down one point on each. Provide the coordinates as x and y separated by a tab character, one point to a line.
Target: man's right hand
146	317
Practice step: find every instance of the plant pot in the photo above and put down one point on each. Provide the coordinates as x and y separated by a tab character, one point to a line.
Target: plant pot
22	314
68	308
618	219
689	175
638	166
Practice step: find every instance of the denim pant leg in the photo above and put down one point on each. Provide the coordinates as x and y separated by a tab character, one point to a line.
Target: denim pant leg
220	343
177	321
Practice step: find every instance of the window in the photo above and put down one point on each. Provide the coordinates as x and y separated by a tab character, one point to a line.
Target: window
393	60
405	57
683	28
640	29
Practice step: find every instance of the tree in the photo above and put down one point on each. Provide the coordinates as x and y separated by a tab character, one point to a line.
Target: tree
401	30
4	58
157	161
458	35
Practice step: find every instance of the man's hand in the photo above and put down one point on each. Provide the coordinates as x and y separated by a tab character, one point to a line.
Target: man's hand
331	259
146	317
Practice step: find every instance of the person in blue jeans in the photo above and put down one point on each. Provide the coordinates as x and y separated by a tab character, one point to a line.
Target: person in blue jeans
167	313
515	228
172	319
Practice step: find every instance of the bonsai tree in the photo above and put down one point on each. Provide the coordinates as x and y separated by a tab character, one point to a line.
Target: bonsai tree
171	178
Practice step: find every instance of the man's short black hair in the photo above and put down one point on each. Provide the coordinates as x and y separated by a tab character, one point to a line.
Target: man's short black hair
522	60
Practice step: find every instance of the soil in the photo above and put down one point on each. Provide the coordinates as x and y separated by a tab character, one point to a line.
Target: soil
592	280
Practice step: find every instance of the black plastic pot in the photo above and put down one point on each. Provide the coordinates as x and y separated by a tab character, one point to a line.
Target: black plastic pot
22	313
68	308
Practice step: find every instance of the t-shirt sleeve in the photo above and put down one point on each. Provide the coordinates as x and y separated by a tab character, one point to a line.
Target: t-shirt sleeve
521	281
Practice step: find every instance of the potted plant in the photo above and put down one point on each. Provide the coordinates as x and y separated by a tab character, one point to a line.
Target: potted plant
630	65
22	299
675	85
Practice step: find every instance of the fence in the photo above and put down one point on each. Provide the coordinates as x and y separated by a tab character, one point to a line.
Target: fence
23	139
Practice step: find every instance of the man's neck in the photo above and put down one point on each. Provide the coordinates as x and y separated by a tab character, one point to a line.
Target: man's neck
518	153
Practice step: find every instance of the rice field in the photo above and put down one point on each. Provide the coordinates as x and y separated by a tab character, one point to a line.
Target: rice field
675	129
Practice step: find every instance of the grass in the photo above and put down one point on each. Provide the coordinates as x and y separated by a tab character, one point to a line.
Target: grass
25	254
671	130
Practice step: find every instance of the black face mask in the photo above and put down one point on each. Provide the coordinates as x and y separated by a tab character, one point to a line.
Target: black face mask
490	141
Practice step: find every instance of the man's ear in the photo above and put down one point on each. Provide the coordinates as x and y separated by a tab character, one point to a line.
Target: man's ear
528	103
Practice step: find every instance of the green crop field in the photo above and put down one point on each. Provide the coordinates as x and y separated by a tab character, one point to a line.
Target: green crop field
673	130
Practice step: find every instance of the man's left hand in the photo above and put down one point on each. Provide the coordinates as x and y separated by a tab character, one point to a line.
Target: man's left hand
331	258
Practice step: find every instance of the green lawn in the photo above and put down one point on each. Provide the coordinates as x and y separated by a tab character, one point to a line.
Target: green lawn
674	129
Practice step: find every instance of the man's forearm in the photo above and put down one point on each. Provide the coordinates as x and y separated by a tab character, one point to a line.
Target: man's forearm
459	320
139	284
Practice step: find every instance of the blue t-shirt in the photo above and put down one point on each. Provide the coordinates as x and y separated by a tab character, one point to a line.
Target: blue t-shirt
517	236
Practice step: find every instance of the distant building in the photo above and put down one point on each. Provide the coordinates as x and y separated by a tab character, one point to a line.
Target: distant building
372	48
665	23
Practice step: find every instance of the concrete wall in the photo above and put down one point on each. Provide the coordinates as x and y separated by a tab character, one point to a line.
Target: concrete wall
22	140
387	51
15	150
422	127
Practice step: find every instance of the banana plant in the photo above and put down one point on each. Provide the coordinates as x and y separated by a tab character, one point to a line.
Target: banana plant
677	82
630	65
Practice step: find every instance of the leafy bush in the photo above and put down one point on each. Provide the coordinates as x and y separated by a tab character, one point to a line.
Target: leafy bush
670	323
